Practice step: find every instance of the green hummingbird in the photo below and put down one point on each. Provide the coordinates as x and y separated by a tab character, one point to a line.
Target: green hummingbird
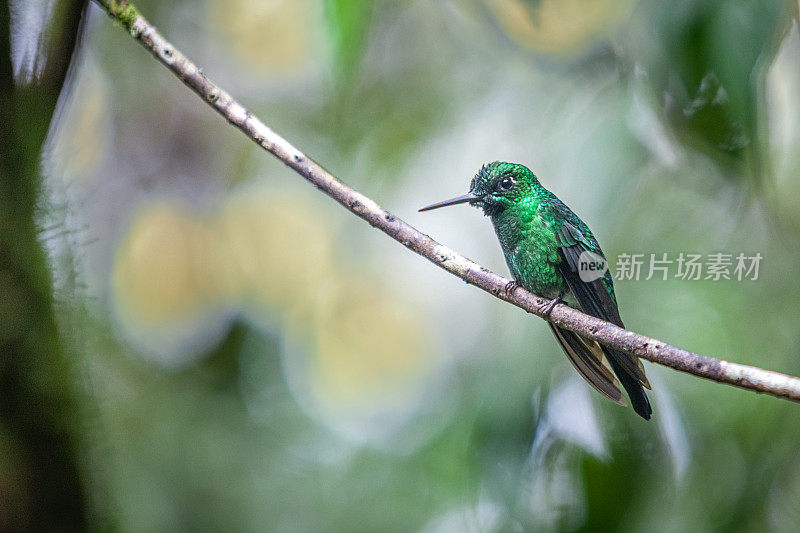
552	253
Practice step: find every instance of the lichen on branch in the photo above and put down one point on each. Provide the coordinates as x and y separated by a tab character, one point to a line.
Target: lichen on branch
123	12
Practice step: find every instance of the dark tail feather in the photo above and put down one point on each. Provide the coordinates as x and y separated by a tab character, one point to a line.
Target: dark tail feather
632	386
587	358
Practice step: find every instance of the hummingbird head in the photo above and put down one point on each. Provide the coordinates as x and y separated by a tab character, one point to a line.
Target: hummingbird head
496	186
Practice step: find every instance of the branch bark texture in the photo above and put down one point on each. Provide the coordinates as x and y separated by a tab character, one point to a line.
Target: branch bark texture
743	376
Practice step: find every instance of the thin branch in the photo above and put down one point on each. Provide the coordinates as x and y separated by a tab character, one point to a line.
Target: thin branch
743	376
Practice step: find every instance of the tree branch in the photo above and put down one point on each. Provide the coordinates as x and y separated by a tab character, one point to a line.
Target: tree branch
743	376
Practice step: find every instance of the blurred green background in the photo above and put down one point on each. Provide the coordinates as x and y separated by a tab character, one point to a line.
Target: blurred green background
233	351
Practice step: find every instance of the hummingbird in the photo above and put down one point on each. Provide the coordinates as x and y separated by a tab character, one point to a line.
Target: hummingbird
550	252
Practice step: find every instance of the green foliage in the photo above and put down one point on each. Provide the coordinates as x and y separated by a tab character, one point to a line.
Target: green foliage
708	67
348	24
40	477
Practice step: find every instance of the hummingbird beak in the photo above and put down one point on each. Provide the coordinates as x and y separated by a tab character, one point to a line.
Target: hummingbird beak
469	197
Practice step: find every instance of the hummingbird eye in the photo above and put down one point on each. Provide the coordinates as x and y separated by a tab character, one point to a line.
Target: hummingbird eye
506	184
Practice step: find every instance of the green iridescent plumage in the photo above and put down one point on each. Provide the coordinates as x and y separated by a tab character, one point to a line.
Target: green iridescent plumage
545	246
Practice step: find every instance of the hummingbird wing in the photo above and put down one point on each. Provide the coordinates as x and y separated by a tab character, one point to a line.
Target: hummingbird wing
593	296
596	297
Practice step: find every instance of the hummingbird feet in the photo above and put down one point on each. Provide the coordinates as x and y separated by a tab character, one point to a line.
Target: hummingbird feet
549	307
511	286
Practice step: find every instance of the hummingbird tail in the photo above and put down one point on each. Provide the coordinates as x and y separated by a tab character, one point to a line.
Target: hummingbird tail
632	386
587	358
